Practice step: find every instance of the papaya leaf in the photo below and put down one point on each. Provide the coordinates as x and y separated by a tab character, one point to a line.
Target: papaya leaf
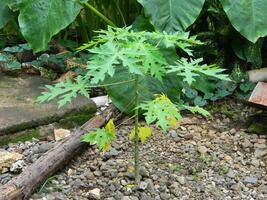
144	133
102	137
193	68
162	111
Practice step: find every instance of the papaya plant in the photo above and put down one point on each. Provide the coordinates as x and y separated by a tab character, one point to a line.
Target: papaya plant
141	58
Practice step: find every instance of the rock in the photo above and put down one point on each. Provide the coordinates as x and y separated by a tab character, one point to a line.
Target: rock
46	130
251	180
144	172
260	153
173	134
77	183
4	178
262	188
112	153
235	187
150	185
165	196
142	185
230	174
18	95
97	173
17	166
202	149
45	147
89	174
129	198
7	159
145	196
181	180
246	143
94	194
228	159
61	133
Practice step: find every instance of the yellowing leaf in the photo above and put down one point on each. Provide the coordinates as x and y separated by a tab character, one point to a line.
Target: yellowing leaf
110	128
173	122
144	133
106	147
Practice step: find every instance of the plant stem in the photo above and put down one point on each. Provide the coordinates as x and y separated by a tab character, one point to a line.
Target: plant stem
99	14
136	137
82	26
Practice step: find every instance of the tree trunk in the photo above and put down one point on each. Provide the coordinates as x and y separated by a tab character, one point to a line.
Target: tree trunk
23	185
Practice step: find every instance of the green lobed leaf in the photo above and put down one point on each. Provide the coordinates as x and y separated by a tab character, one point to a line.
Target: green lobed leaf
65	91
193	68
161	111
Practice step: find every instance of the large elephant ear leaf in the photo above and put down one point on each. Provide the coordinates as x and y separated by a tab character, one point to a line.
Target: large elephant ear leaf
247	17
5	14
172	15
40	20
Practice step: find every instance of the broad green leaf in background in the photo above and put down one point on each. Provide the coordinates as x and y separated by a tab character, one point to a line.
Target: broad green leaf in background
172	15
5	14
248	51
122	95
248	17
39	20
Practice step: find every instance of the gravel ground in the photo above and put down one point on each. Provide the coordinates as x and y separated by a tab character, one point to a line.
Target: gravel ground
201	159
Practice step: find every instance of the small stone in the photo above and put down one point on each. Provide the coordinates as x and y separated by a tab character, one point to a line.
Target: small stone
112	153
228	159
262	188
61	134
150	185
7	159
77	183
17	166
202	149
145	196
165	196
144	172
260	145
181	180
173	134
129	198
97	173
251	180
255	162
88	174
260	153
247	143
94	194
142	185
235	187
45	147
232	131
70	172
230	174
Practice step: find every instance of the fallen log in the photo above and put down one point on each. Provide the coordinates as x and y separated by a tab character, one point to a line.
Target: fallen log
257	75
22	186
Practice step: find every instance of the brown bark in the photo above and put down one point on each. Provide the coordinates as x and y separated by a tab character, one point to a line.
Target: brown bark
24	184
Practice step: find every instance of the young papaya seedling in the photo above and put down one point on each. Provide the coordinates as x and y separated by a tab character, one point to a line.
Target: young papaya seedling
146	58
